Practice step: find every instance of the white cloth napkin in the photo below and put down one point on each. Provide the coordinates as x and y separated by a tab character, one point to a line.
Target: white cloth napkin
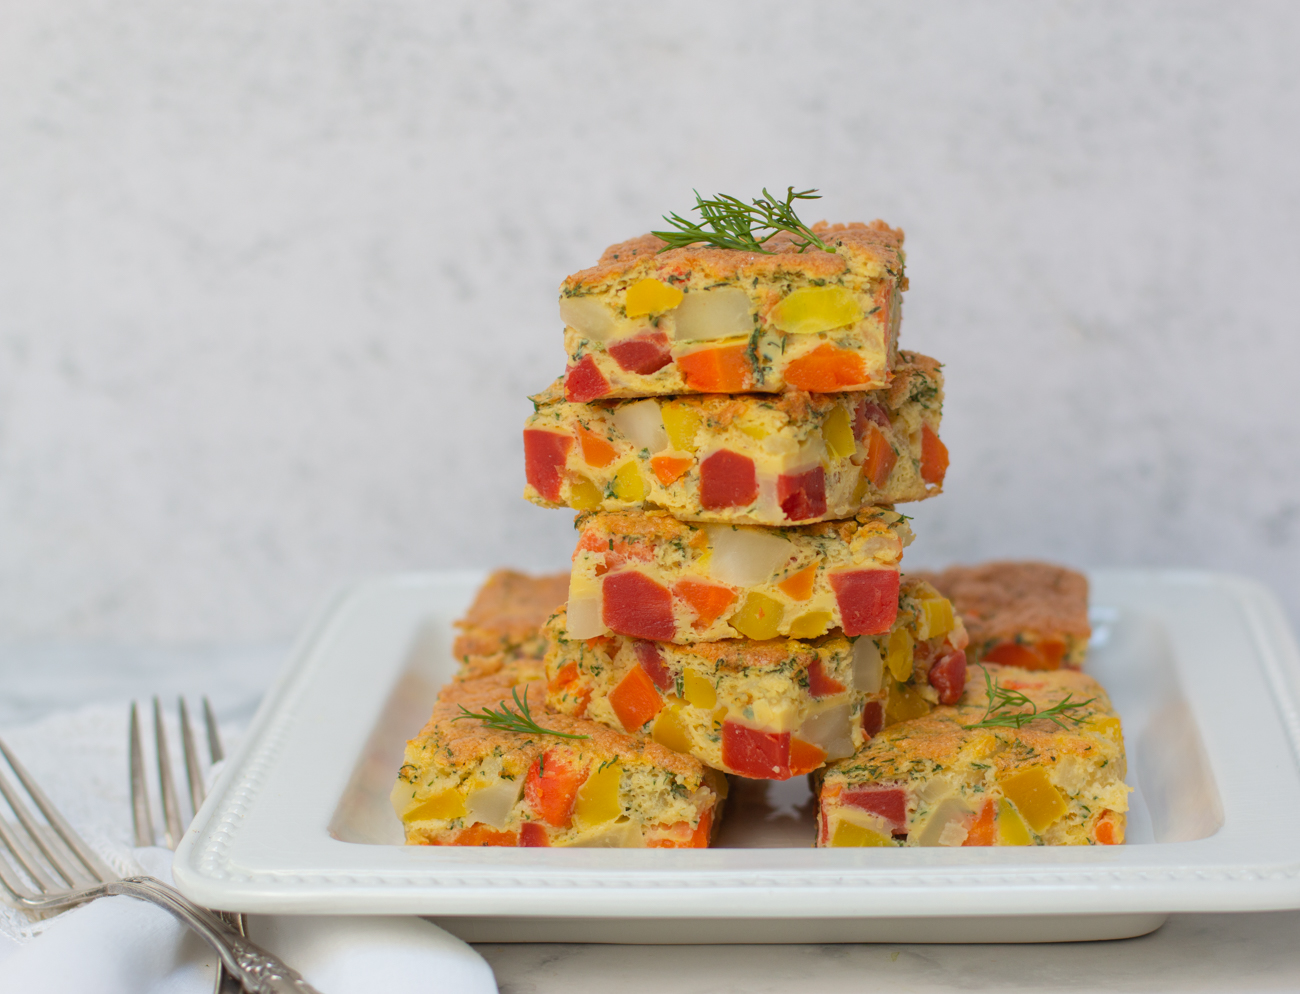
119	945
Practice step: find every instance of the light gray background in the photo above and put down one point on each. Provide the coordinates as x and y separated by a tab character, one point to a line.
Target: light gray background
276	277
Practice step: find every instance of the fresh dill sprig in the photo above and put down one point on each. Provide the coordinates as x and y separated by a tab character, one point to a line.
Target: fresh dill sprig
505	720
734	224
1002	699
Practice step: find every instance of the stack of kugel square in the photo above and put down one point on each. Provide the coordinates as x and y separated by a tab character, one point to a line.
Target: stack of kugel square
734	428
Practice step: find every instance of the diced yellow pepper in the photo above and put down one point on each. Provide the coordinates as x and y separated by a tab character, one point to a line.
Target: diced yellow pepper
670	731
810	625
860	491
838	434
898	654
440	807
1011	827
816	308
681	422
903	704
1109	727
848	834
583	494
936	618
628	484
650	296
752	429
719	716
759	617
597	800
1034	796
698	691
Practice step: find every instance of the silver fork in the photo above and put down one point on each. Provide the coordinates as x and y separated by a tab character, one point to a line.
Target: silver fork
142	818
45	865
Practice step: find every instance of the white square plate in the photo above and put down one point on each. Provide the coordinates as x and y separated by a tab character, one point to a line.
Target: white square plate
1201	667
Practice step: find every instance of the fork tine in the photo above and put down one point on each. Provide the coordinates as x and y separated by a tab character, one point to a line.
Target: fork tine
26	861
141	816
96	866
190	752
215	753
167	785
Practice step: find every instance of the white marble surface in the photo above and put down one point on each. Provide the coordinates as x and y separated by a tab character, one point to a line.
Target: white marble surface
1191	953
277	276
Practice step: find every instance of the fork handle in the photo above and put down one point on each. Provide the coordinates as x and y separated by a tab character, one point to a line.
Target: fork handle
257	970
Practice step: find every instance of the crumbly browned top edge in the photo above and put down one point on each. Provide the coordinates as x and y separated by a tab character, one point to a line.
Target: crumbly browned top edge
941	735
460	742
1000	599
876	241
508	608
795	404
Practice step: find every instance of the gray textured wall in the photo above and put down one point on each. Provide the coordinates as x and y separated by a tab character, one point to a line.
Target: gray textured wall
276	277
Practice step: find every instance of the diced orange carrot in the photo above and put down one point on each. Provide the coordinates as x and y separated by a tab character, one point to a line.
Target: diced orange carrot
880	458
596	450
707	600
1052	651
682	836
804	757
799	586
724	370
479	834
826	369
934	457
1015	654
983	830
1106	831
568	673
669	469
551	786
635	700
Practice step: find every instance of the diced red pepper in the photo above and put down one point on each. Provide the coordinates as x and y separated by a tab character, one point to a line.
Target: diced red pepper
584	381
934	457
532	835
804	496
727	479
889	803
866	413
479	834
873	718
635	699
819	684
551	786
867	598
805	757
707	600
633	604
948	676
983	830
544	456
753	753
644	353
652	661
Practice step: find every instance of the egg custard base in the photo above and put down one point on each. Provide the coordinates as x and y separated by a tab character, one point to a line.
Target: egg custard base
774	459
646	322
768	709
649	575
463	783
937	781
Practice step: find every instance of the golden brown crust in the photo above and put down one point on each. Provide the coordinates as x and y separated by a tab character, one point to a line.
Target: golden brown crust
999	600
874	243
465	741
509	610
